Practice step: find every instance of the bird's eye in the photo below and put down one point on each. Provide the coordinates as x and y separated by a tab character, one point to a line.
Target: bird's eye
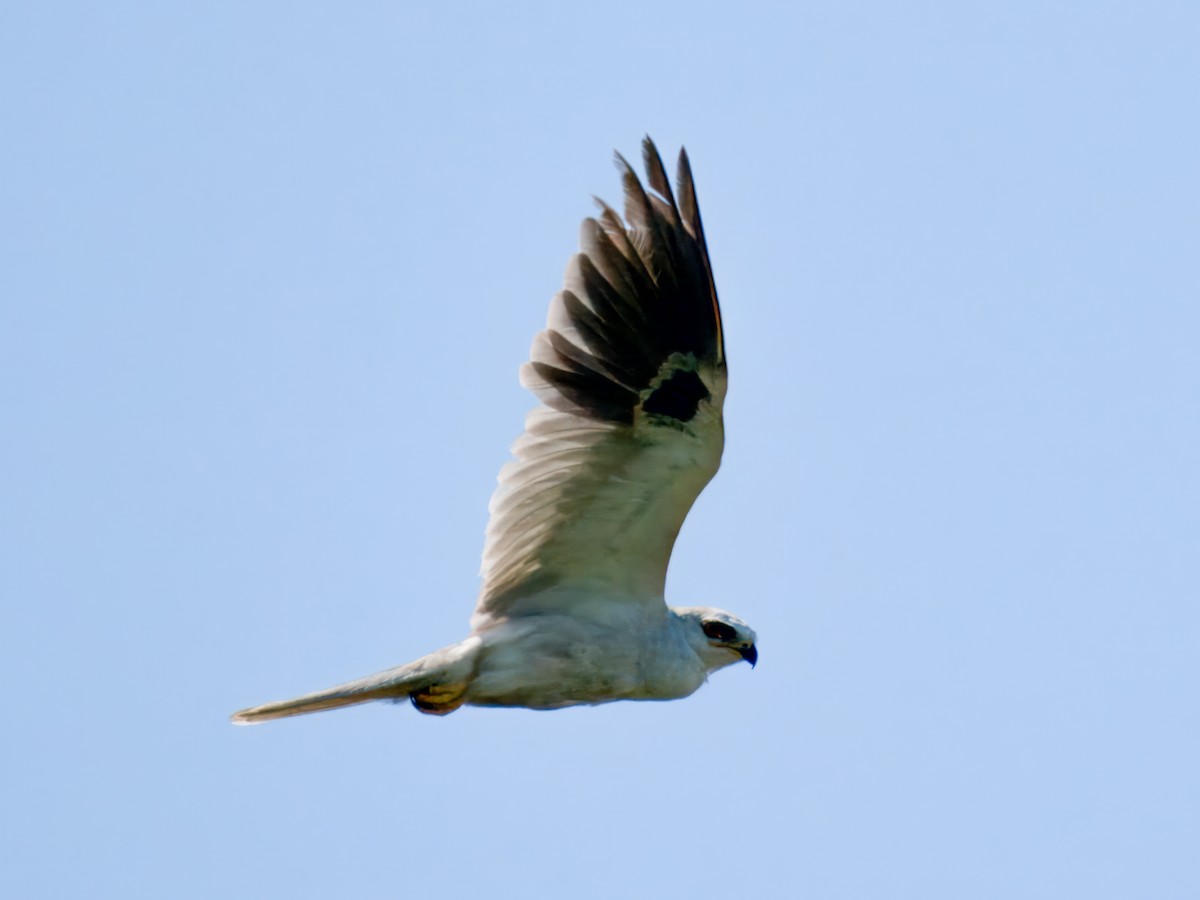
719	631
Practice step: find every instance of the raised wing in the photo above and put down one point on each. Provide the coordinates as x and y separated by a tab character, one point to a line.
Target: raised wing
631	369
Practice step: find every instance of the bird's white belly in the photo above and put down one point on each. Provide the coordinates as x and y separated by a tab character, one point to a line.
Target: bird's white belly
550	661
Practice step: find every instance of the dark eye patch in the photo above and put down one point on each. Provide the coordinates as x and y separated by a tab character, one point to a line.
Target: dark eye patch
719	631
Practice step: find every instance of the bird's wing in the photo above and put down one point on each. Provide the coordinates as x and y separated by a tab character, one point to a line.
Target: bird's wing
631	372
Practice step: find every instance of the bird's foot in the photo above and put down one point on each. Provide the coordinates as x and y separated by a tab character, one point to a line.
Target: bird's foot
439	699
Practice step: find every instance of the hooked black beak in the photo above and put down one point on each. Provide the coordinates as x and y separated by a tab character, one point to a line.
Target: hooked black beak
749	654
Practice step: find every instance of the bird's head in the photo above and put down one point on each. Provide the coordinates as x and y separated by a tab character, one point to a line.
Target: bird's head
719	638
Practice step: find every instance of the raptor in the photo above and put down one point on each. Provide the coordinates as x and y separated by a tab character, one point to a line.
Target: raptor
631	377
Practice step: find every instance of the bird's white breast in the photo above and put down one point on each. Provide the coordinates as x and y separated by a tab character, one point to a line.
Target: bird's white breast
599	652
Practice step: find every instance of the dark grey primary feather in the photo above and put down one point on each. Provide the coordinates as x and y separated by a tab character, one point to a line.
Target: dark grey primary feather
637	294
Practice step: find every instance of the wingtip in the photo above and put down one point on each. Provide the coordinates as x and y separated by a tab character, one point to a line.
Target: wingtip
622	164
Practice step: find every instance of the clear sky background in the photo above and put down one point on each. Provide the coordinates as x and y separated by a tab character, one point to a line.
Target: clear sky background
267	273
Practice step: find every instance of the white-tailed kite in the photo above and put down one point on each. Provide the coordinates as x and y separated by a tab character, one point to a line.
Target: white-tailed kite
631	372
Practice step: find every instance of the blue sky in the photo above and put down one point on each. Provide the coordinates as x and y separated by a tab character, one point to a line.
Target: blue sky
267	272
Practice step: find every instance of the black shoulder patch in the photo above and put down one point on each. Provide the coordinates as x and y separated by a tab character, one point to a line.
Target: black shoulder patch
677	397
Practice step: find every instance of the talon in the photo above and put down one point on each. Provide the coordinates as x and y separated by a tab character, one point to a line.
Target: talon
439	699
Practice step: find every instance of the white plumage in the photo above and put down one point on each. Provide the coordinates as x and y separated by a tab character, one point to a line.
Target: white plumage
631	372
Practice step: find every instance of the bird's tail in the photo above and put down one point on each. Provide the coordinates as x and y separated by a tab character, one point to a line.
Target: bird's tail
373	687
442	676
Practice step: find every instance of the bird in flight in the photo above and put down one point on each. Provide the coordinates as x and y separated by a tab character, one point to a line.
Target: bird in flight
630	372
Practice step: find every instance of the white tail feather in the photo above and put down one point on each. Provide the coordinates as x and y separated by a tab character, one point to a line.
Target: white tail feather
448	668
